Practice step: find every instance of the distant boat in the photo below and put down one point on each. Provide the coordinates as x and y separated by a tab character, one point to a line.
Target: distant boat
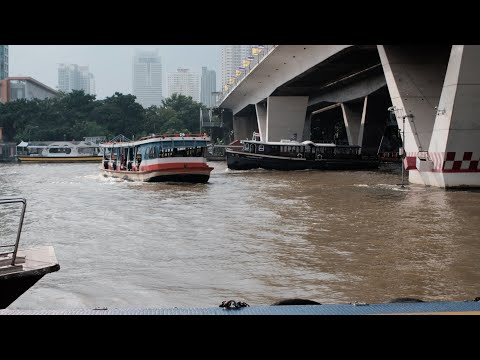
59	152
156	158
20	268
390	157
293	155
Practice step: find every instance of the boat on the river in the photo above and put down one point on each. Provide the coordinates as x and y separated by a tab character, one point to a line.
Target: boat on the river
58	152
20	269
294	155
158	158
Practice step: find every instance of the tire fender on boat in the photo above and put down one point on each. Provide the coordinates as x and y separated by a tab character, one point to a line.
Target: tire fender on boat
299	155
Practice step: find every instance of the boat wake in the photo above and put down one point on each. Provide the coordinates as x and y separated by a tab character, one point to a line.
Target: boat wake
392	187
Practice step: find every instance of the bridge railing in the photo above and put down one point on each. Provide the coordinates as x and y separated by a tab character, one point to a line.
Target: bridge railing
257	59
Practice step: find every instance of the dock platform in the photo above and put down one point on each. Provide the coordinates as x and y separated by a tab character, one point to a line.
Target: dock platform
420	308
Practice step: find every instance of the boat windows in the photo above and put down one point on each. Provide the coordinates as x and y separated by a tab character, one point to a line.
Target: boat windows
260	147
152	152
59	150
85	150
180	152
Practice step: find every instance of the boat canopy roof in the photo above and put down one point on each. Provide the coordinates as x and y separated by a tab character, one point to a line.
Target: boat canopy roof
296	143
46	144
179	139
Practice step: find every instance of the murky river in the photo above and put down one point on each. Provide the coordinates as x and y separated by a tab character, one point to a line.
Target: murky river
254	236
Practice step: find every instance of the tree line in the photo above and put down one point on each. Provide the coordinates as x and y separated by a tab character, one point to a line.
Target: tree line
75	115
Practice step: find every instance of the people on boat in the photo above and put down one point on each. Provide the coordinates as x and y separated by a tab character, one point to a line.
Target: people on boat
123	162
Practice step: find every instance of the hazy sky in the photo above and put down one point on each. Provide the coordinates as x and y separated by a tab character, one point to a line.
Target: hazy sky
111	65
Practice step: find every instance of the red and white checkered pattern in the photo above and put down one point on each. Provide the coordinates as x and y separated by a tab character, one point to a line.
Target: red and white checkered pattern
451	161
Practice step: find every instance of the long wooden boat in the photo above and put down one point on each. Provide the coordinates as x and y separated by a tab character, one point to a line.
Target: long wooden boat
293	155
157	158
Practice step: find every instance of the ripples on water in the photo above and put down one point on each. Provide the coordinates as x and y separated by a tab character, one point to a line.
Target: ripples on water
255	236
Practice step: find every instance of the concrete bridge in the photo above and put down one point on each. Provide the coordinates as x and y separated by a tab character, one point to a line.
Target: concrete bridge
431	91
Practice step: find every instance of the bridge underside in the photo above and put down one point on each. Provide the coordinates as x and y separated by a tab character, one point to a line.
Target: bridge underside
348	94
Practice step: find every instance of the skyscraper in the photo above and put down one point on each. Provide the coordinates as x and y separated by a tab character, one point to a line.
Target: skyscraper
74	77
3	61
184	82
208	85
147	78
232	56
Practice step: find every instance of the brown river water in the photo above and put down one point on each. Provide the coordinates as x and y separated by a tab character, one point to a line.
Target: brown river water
255	236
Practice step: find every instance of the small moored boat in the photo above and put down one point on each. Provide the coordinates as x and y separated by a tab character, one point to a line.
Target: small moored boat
156	158
58	152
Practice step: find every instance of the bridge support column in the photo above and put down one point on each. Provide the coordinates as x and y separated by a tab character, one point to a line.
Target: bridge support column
261	111
442	131
454	151
415	76
285	117
354	118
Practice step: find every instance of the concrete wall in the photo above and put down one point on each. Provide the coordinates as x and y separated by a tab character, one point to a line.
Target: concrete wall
244	126
285	117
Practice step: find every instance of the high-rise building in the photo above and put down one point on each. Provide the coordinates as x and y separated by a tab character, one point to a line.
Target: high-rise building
74	77
147	78
185	83
3	61
232	57
208	86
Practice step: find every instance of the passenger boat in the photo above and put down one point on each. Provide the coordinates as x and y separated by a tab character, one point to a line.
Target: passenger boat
20	268
156	158
293	155
59	152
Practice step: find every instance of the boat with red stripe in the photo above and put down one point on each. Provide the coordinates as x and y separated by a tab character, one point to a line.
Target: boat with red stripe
157	158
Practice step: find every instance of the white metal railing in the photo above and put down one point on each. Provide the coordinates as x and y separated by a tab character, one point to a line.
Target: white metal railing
257	59
19	231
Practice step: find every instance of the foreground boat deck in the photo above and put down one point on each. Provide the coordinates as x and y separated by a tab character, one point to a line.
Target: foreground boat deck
424	308
30	266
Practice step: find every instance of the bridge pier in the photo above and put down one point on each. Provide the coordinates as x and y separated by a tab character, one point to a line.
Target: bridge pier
285	117
436	90
261	110
354	118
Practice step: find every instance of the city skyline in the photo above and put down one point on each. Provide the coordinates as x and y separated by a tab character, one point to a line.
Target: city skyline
147	78
184	82
110	64
75	77
208	83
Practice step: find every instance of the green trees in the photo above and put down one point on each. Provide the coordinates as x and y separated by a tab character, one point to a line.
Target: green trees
120	114
76	115
187	110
